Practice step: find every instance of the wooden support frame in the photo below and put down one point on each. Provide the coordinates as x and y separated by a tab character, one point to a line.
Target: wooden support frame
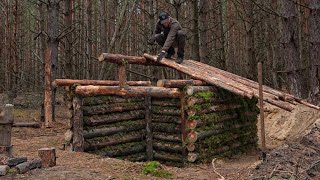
149	135
6	122
78	139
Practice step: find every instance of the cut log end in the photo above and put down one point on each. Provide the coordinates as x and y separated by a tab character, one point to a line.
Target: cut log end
48	156
192	157
101	57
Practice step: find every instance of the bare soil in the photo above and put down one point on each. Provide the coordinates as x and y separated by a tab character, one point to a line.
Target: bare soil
288	156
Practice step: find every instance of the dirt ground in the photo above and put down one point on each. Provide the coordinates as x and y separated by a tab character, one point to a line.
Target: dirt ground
293	141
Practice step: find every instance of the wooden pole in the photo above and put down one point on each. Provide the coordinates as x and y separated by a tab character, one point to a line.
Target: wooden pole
78	139
149	129
48	90
122	75
6	121
262	128
183	126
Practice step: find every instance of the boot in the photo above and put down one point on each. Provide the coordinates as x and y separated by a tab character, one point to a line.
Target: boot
170	53
179	59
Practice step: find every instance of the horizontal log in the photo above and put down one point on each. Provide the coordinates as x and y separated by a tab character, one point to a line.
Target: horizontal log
162	156
113	118
179	83
29	165
214	108
111	108
191	90
93	146
158	118
102	100
135	157
167	128
166	111
129	91
167	137
166	103
205	134
198	100
167	147
120	59
71	82
219	119
27	124
111	130
126	151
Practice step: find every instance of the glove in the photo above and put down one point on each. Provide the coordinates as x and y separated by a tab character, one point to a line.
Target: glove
161	56
151	41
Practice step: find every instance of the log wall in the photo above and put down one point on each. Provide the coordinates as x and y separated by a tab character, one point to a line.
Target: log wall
203	123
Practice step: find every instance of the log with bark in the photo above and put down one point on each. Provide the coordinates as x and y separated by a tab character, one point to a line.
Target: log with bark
129	91
214	108
111	130
166	111
113	118
166	103
204	121
119	59
166	127
179	83
93	146
4	169
167	137
199	100
6	121
162	156
158	118
29	165
71	82
48	156
191	90
102	100
27	124
126	151
110	108
167	147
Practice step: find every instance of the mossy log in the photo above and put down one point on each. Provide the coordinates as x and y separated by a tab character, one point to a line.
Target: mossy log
214	108
101	100
166	111
179	83
162	156
111	130
167	137
191	90
158	118
126	151
128	91
207	120
141	157
71	82
113	118
166	103
92	146
166	127
191	101
205	134
110	108
167	147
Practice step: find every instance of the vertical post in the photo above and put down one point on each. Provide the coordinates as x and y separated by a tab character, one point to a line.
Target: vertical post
122	75
183	126
48	90
262	128
6	122
78	140
149	128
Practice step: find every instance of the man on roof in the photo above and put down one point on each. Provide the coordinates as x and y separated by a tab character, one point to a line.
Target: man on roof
168	33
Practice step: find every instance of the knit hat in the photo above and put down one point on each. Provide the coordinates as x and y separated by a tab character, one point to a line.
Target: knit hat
163	17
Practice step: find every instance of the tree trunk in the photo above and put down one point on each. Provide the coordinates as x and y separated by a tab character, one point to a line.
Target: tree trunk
27	166
78	134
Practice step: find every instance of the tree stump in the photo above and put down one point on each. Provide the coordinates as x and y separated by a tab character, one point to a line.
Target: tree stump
48	156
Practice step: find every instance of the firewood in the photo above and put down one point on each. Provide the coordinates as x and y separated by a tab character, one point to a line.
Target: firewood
48	156
29	165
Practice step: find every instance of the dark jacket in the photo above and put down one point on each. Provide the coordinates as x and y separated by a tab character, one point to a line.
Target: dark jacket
169	32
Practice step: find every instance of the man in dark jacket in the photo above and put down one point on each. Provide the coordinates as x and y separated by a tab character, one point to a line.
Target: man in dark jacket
168	34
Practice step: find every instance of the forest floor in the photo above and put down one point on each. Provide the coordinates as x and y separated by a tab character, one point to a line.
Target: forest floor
293	142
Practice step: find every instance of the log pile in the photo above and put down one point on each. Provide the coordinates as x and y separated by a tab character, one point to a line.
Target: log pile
219	124
114	126
18	165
